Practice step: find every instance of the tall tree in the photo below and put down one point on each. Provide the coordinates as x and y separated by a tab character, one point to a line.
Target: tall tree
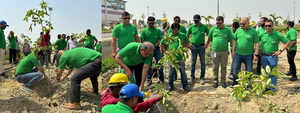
164	14
207	19
274	18
183	21
153	14
143	16
237	18
223	15
259	14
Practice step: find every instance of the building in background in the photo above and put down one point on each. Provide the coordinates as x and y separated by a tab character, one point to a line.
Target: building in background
112	11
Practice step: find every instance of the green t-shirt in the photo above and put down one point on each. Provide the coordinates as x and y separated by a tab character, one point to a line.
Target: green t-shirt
12	42
90	41
151	35
39	40
182	37
245	40
231	42
61	45
292	35
198	33
181	29
220	38
270	42
259	31
2	39
131	55
118	108
125	34
77	57
27	64
98	46
78	44
50	44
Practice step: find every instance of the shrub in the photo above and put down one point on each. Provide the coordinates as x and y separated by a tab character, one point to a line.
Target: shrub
7	57
108	64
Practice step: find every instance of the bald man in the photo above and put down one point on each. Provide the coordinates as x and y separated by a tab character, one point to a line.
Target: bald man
245	40
136	57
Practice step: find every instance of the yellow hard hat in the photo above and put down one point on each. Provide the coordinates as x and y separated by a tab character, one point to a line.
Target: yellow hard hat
252	23
181	24
164	19
48	29
16	36
118	78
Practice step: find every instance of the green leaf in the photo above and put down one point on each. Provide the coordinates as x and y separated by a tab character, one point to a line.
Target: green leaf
269	81
268	69
263	72
261	110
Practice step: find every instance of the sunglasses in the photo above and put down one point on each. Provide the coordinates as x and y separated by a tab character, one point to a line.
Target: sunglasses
151	23
219	23
126	18
242	24
268	25
177	20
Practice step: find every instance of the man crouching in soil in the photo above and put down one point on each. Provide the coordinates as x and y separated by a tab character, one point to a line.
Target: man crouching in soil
88	63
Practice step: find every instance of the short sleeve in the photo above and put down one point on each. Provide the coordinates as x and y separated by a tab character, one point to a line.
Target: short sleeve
255	36
159	34
35	61
135	29
56	42
293	35
210	34
189	30
62	62
94	38
186	39
206	30
170	31
230	36
184	30
149	59
127	51
282	38
235	35
115	32
143	34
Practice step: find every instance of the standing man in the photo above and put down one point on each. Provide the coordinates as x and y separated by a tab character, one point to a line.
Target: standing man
61	45
124	33
291	35
88	63
25	72
3	25
153	35
245	40
260	30
270	41
12	48
72	43
182	28
184	42
220	35
197	46
235	26
91	40
26	48
164	30
136	57
45	43
55	55
99	47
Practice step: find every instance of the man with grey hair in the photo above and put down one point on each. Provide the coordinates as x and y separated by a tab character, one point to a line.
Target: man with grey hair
136	57
245	40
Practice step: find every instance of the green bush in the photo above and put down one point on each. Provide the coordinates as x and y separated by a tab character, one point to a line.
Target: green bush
7	57
108	64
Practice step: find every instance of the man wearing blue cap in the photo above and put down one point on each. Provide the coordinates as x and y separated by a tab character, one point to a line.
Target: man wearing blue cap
3	25
128	98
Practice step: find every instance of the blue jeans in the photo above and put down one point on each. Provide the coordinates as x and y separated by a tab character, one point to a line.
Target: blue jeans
237	62
29	78
90	48
157	55
195	51
182	73
272	62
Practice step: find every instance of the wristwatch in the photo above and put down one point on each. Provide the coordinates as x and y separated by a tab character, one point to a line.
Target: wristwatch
256	55
280	50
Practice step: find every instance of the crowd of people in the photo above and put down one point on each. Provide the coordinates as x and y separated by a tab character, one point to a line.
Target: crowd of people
246	43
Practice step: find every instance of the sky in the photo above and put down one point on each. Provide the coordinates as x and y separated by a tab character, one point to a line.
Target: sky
67	16
187	8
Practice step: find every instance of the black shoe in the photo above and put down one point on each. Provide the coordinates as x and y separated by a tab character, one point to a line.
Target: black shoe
215	85
224	85
186	89
170	88
4	75
231	86
288	73
294	78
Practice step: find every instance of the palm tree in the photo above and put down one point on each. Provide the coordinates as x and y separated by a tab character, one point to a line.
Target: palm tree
164	14
274	18
207	19
153	14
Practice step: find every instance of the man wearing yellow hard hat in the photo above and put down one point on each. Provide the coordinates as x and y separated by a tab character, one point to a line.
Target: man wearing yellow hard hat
45	39
111	94
164	30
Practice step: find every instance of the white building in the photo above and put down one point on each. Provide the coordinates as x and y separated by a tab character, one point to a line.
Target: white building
112	11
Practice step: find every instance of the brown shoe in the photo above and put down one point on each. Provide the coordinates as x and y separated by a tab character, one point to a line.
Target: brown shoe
73	106
91	91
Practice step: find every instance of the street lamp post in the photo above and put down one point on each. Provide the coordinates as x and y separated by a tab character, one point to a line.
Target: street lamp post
148	10
294	13
50	9
218	5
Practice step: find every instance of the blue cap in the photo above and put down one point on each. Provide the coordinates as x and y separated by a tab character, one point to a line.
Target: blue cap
197	17
130	90
4	23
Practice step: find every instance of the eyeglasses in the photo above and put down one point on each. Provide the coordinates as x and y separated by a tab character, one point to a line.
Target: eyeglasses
268	25
242	24
147	53
151	23
219	23
126	18
177	20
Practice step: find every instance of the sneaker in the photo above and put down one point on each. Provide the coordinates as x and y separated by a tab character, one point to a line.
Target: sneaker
192	80
230	77
202	81
186	88
224	85
215	85
26	89
288	73
4	75
294	78
170	88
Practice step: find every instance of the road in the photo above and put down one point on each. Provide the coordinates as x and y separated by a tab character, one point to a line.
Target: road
106	36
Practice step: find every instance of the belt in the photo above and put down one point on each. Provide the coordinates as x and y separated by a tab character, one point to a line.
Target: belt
198	45
157	47
120	47
266	54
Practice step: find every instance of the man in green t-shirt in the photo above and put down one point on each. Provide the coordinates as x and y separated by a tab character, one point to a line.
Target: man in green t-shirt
243	48
235	26
136	57
174	45
153	35
197	46
220	35
123	34
3	25
129	95
270	42
91	40
261	29
99	47
25	72
39	39
291	35
181	29
55	56
88	63
12	47
61	45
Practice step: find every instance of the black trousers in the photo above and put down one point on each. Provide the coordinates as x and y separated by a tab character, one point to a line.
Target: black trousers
291	56
90	70
12	55
138	70
258	68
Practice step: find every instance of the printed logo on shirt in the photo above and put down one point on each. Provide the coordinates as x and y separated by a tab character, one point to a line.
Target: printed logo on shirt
274	42
202	32
249	36
225	36
133	32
